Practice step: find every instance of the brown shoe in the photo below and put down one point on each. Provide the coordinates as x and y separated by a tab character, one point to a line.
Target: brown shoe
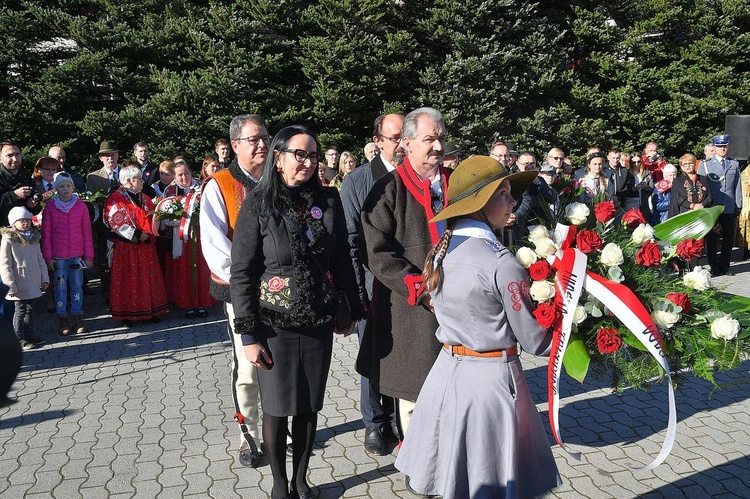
78	324
64	325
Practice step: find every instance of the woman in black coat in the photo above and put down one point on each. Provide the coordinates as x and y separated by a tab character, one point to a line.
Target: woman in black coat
290	256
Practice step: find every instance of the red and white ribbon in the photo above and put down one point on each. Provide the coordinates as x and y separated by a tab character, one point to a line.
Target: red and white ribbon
571	279
187	214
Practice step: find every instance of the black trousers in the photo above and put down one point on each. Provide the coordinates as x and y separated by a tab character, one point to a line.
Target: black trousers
719	261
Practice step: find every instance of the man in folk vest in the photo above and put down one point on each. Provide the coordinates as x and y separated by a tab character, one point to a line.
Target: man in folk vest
223	194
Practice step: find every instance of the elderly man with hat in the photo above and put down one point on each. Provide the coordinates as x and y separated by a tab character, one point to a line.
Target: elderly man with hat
723	175
476	431
450	156
399	346
105	179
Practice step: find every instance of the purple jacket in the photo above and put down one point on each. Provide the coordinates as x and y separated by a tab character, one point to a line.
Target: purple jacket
66	235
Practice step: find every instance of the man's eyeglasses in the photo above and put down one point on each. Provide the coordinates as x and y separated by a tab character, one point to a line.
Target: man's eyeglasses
301	155
255	140
395	140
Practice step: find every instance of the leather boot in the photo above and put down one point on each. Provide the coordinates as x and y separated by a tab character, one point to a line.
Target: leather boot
64	325
77	326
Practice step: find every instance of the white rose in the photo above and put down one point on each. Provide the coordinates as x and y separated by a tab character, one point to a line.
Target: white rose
545	247
665	319
542	290
577	213
611	255
538	232
526	256
725	328
580	314
698	279
642	233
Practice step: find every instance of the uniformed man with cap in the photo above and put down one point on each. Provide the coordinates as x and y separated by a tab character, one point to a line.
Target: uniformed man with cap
723	175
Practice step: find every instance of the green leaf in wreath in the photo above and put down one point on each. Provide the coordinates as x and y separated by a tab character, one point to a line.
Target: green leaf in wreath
693	224
576	359
632	341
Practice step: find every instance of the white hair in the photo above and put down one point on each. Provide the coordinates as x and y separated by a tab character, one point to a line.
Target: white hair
669	168
129	173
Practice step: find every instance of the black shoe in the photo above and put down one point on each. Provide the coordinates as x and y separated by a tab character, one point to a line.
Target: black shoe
190	313
247	457
87	291
34	340
127	323
390	433
26	346
201	313
310	494
155	319
374	442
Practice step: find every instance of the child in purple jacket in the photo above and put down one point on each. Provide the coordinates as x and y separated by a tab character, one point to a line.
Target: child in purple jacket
67	247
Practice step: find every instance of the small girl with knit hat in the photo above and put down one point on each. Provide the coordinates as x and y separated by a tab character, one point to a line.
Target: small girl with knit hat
68	248
22	269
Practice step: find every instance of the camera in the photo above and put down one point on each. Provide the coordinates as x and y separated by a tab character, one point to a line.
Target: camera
37	197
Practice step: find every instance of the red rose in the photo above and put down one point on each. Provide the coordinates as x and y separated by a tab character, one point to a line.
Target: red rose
608	340
275	284
588	241
546	314
633	218
540	270
690	248
605	211
649	255
680	299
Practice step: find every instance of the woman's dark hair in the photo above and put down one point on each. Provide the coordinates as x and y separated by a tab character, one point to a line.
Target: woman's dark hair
267	199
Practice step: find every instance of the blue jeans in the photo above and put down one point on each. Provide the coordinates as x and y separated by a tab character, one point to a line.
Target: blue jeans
68	274
22	319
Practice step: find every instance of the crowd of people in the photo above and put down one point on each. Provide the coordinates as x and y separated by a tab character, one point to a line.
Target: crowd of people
297	242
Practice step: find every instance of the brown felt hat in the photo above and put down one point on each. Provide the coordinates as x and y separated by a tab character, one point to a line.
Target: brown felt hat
474	181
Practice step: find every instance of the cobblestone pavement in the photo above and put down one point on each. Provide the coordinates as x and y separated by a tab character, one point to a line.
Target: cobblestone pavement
147	413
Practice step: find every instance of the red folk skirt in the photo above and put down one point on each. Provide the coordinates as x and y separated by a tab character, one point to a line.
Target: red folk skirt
188	276
137	291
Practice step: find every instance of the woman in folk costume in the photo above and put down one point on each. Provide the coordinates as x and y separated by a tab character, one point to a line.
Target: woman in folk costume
597	186
137	292
475	431
187	273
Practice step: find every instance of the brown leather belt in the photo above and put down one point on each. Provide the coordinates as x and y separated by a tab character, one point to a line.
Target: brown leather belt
462	350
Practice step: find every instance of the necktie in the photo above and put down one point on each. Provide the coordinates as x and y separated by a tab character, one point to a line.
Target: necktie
437	201
49	186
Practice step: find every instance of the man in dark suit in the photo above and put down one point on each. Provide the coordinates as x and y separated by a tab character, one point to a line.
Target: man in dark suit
723	175
377	410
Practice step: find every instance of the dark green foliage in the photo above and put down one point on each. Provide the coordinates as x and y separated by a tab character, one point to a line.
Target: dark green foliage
542	74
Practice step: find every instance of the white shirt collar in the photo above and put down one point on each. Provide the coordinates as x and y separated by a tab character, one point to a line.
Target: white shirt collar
388	165
468	227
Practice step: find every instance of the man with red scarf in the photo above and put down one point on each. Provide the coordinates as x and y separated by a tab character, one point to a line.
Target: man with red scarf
399	345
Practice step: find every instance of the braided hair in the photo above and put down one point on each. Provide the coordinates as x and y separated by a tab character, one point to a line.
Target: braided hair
432	275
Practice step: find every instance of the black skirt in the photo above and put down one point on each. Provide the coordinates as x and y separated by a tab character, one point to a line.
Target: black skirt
297	382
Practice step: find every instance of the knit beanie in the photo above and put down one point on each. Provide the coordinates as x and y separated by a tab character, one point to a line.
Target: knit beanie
17	213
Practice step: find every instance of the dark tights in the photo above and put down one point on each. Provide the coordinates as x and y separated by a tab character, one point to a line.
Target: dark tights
303	437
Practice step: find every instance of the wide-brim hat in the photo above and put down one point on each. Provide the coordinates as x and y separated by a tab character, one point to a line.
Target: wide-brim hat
474	181
106	147
449	149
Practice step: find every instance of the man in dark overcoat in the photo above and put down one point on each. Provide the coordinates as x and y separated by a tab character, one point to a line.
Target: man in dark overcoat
399	344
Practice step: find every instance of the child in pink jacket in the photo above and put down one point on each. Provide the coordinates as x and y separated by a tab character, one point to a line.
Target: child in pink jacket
67	247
